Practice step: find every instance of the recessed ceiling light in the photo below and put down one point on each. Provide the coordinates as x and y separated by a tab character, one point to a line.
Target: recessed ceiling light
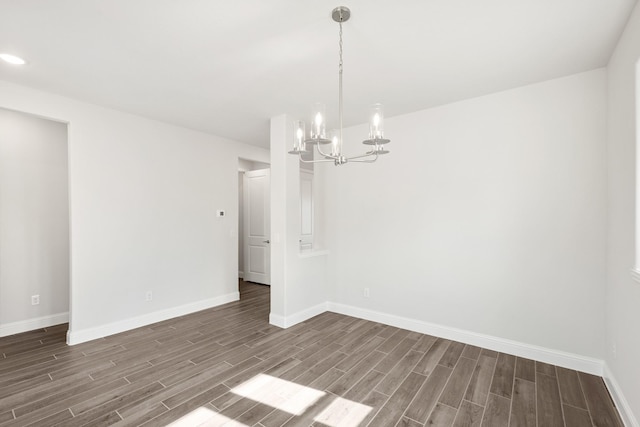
12	59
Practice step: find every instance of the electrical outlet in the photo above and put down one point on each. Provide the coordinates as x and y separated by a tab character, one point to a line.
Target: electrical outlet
35	299
149	296
365	292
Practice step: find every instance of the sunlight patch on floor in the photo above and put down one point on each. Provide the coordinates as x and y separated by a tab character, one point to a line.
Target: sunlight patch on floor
343	413
203	417
280	394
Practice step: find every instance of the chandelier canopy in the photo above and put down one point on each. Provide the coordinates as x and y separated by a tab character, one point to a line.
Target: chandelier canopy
317	137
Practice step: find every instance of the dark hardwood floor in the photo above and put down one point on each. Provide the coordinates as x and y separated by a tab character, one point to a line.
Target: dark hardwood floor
228	366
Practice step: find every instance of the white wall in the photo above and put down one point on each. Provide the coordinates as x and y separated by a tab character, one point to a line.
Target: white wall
34	222
623	293
298	281
488	216
143	200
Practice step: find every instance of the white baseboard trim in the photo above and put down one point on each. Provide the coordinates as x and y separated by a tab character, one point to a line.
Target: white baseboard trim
542	354
277	320
618	398
33	324
84	335
299	317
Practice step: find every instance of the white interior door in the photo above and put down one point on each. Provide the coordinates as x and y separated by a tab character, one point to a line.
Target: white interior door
257	226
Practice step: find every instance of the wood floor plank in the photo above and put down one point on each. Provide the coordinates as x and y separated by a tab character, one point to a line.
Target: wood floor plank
490	353
254	414
549	407
471	352
570	388
469	415
364	386
38	392
392	411
142	416
326	379
523	405
358	342
431	358
55	404
458	382
441	415
496	413
391	342
545	368
6	416
392	358
211	383
30	384
406	422
58	419
308	416
354	358
92	409
186	407
525	369
424	343
451	356
311	362
399	372
429	394
575	417
310	375
345	382
601	407
66	398
375	401
502	382
478	389
276	418
279	363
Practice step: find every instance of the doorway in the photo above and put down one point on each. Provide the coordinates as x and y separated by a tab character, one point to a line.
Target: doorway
253	233
34	223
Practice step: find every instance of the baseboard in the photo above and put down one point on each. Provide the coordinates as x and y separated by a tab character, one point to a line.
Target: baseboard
277	320
618	398
32	324
84	335
542	354
299	317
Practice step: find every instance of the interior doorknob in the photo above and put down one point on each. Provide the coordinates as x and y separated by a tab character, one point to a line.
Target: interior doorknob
266	241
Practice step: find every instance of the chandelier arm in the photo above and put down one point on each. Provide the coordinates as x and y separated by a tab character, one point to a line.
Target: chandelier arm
313	161
322	153
362	160
364	155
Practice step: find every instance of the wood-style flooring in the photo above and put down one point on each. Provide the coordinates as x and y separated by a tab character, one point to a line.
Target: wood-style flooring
228	366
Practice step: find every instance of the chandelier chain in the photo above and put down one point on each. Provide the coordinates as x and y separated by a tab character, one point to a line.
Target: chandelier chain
340	67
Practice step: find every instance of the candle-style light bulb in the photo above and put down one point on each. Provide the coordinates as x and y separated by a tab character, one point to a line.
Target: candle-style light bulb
334	144
318	124
376	130
298	139
299	136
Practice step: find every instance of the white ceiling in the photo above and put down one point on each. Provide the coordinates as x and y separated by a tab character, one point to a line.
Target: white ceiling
226	67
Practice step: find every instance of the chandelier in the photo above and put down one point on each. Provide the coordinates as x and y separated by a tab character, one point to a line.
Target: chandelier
318	134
